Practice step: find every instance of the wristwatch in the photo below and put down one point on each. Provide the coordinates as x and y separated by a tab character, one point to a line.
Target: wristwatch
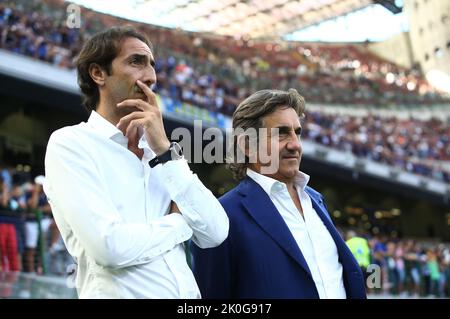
175	152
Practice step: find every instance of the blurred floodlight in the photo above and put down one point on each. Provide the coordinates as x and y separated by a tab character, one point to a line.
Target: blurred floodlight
390	78
439	80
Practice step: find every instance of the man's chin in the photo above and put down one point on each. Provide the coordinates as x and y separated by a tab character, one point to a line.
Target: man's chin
292	169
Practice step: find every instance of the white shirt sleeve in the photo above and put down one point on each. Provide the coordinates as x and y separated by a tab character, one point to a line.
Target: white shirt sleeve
77	194
200	208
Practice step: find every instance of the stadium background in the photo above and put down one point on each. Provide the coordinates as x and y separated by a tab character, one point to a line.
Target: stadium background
376	136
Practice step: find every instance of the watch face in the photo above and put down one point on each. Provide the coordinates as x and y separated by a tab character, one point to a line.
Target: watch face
177	150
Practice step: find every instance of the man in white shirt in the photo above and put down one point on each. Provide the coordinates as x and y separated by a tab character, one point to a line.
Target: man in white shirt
122	195
282	242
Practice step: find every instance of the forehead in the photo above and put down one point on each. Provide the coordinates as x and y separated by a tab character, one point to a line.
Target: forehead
285	116
133	45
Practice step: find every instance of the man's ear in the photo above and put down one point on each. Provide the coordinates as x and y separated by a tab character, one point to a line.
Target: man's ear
98	75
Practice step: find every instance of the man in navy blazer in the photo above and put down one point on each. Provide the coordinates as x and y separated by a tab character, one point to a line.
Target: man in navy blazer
282	242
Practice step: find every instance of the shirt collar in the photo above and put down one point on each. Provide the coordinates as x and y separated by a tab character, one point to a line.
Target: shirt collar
104	127
108	130
271	185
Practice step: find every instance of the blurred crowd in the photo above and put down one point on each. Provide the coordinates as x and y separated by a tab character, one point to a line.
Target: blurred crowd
216	73
36	33
408	268
417	146
29	239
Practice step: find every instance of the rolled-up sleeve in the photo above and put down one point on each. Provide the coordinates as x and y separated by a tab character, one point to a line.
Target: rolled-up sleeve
200	208
78	196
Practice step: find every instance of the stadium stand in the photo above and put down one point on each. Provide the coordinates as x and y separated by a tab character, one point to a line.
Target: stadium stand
207	72
207	76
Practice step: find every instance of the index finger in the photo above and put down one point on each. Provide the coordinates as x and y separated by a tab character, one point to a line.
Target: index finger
148	92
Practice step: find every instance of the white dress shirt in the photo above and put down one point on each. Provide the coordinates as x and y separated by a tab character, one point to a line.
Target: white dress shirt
112	211
312	236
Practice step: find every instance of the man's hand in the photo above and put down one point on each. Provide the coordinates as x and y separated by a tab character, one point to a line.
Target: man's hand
174	208
133	142
148	117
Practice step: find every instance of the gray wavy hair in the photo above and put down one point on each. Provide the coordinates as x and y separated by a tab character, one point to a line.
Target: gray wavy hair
251	112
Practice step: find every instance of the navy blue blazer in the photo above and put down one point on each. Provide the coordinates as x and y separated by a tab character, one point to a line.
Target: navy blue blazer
260	258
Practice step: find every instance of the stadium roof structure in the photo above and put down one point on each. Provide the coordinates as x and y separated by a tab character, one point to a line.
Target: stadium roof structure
251	18
259	18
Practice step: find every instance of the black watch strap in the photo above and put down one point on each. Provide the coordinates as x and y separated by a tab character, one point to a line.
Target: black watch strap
164	157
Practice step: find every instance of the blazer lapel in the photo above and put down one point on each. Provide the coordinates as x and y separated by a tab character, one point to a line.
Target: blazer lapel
318	206
264	212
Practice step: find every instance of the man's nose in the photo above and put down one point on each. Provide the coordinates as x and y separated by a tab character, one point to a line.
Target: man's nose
149	77
294	144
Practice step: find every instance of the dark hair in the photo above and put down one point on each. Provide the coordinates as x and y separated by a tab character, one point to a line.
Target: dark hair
250	113
101	49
